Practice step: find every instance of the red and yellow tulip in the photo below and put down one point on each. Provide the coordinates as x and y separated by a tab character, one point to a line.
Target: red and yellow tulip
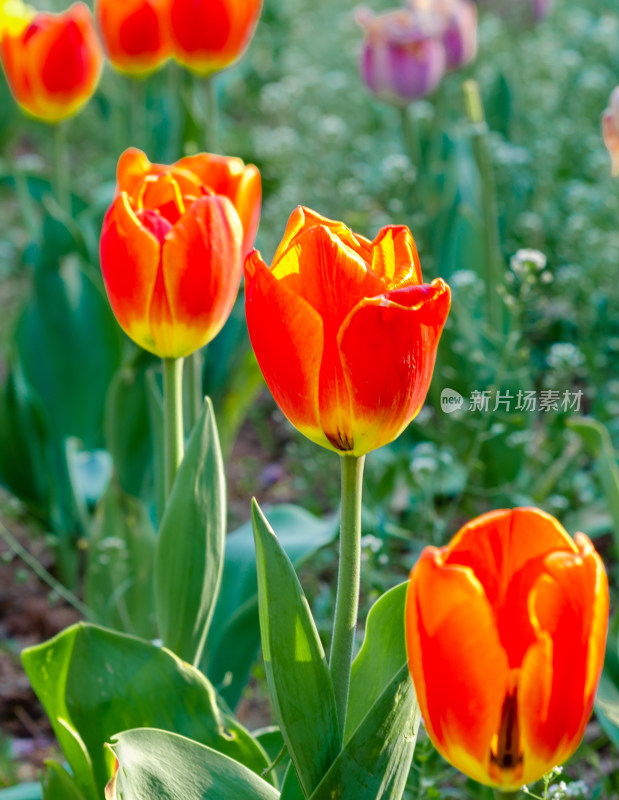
505	632
172	247
52	61
135	33
208	36
344	330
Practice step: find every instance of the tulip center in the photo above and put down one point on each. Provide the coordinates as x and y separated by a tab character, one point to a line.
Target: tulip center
505	749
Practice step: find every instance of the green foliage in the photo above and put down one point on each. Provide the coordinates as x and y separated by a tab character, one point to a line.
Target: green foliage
179	769
297	673
119	572
94	683
234	637
189	558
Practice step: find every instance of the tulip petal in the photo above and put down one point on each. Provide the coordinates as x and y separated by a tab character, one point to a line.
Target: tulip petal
287	336
130	257
332	278
570	604
234	179
451	637
506	550
303	219
202	269
395	258
133	167
388	347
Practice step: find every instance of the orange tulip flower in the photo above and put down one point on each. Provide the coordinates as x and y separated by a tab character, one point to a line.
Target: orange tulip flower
52	61
505	632
344	331
135	33
209	35
172	247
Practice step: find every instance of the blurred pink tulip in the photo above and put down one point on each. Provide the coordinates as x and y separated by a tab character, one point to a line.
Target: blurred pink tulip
403	55
610	130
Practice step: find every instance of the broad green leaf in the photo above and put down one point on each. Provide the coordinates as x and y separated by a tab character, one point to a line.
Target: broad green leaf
58	784
128	431
381	657
119	569
375	761
70	347
190	548
234	636
155	765
23	791
597	440
297	673
94	682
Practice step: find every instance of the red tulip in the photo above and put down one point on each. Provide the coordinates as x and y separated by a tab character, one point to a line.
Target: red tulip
610	130
52	61
505	631
135	33
172	247
344	331
209	35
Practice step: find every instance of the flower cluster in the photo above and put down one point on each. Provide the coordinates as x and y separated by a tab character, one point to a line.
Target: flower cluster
407	51
53	61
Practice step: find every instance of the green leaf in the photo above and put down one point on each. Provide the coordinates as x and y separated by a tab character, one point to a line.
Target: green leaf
154	764
291	788
234	637
607	697
119	571
297	672
93	683
190	549
381	657
154	397
376	760
68	314
596	439
58	784
128	432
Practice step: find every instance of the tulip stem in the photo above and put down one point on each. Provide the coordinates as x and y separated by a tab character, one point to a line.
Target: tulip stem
62	188
195	395
347	600
211	121
172	419
499	794
495	266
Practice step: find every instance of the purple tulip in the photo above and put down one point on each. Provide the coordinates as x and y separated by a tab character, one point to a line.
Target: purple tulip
610	130
460	34
403	56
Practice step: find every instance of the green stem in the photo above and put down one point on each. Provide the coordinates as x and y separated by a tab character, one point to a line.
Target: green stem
62	186
211	120
410	136
347	601
172	418
195	395
495	276
499	794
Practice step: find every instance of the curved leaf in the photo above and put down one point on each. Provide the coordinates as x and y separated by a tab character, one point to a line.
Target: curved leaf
297	673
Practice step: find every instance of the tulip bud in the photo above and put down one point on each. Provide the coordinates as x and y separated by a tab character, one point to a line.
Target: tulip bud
505	633
208	35
52	61
460	33
135	33
344	330
403	57
610	130
172	247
